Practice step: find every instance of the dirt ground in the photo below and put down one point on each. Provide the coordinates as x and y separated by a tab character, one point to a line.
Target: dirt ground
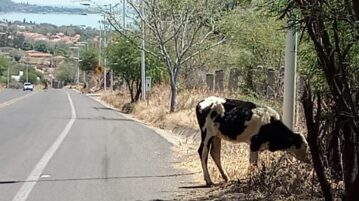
278	177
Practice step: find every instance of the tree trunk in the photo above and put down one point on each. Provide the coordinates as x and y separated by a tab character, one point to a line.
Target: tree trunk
318	166
138	91
350	162
130	88
356	8
173	95
335	156
313	132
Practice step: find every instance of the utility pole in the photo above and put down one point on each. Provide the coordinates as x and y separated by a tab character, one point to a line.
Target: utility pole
27	68
143	59
104	59
99	46
290	79
78	65
82	44
8	77
111	71
123	14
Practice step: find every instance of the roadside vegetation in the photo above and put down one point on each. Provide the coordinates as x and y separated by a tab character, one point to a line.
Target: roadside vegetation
249	36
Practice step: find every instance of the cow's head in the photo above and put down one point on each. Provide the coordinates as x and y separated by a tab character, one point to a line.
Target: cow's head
300	148
276	136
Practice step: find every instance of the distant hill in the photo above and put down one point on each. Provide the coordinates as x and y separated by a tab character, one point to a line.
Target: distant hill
7	5
10	6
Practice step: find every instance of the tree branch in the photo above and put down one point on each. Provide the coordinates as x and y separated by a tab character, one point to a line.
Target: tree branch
203	50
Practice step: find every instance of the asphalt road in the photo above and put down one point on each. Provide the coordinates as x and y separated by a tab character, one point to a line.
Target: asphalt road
10	94
58	145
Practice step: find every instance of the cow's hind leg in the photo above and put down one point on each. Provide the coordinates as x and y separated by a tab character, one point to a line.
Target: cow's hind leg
203	150
216	155
253	158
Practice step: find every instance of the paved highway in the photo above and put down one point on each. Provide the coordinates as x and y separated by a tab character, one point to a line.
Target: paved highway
11	94
58	145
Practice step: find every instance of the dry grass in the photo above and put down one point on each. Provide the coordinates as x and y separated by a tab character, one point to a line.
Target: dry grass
279	176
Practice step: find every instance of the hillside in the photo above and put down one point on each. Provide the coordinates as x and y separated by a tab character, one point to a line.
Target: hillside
7	5
10	6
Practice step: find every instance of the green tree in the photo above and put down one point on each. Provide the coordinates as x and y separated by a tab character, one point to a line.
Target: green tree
59	48
66	72
125	59
17	54
19	40
40	46
27	46
33	77
89	60
4	65
254	38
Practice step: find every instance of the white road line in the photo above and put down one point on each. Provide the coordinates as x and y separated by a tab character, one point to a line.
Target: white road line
34	176
14	100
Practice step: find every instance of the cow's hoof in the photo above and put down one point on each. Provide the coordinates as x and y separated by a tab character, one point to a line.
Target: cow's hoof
209	184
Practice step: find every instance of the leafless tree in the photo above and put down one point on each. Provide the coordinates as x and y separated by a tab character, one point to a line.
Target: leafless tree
178	31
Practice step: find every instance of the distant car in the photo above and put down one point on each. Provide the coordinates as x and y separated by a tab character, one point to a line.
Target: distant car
28	86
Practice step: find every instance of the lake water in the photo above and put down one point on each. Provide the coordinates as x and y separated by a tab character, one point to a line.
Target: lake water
57	19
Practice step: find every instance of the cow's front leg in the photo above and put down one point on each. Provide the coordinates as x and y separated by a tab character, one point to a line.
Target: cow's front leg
203	150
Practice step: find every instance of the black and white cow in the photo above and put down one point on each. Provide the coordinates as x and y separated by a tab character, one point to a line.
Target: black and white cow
241	121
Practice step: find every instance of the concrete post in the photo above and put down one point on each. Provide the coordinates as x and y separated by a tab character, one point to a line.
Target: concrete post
270	83
233	79
210	81
219	80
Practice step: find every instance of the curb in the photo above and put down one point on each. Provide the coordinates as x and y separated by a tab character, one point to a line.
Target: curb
174	140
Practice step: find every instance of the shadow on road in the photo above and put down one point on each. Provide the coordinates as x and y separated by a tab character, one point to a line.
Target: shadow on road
103	108
95	178
103	119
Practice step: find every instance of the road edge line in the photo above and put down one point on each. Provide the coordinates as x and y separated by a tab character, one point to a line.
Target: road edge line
174	140
14	100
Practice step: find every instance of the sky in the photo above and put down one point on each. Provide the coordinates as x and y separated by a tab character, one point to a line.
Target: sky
75	3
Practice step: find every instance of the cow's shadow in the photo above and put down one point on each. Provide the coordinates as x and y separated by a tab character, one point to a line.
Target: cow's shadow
199	186
196	186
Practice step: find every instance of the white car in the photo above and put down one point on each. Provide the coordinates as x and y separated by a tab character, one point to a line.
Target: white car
28	86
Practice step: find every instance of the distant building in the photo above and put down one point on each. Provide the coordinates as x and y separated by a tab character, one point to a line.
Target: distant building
58	37
38	59
21	27
3	27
